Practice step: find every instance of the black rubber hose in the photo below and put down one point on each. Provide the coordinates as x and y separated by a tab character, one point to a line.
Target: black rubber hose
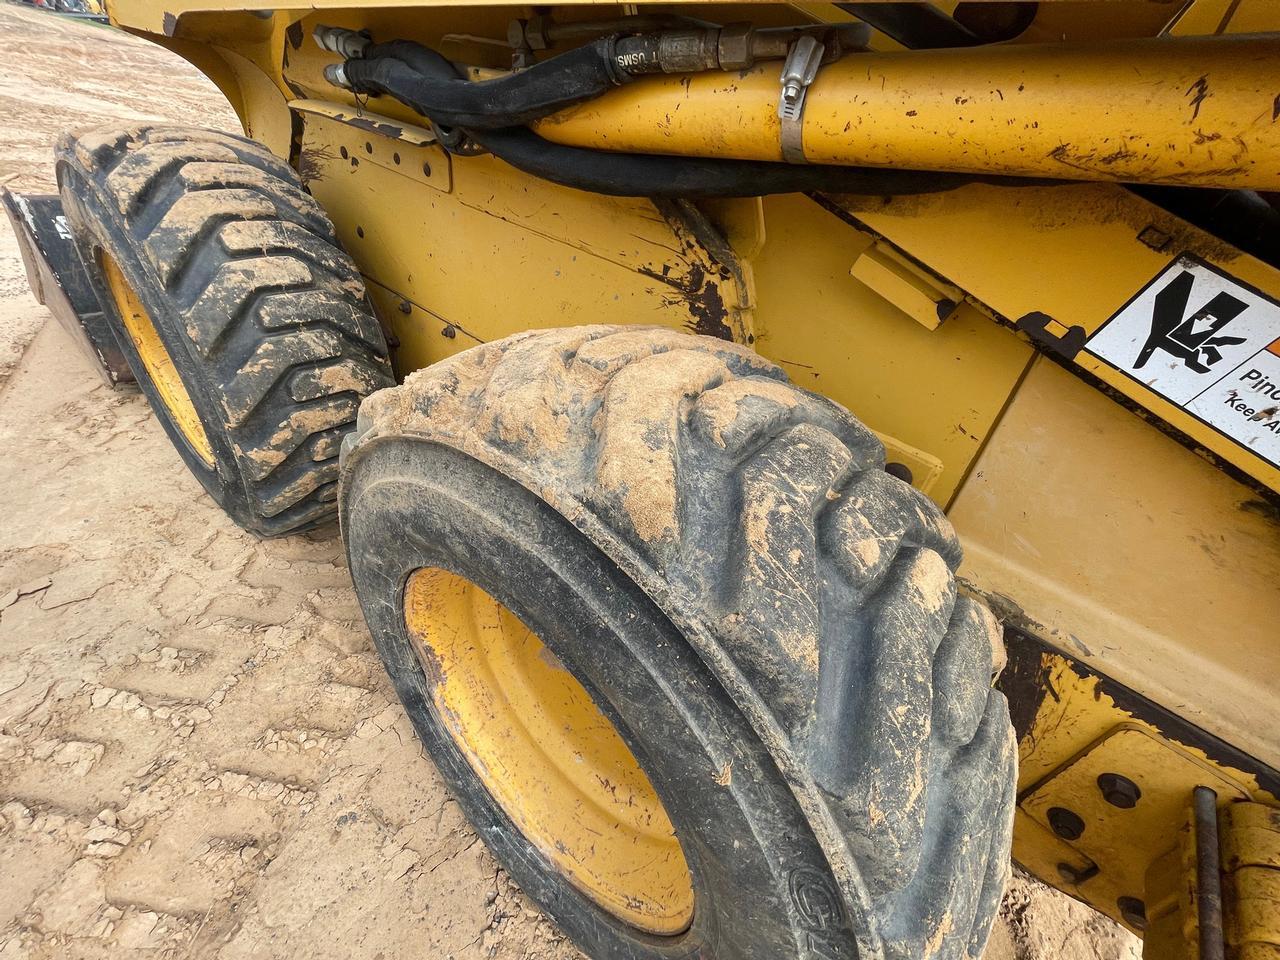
649	175
427	82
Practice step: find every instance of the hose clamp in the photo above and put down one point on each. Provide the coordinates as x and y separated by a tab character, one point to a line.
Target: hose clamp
798	71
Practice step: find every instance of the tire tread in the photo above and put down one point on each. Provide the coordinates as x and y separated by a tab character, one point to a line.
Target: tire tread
819	588
274	309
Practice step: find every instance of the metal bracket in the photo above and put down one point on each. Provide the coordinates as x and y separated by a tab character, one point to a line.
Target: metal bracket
798	71
58	279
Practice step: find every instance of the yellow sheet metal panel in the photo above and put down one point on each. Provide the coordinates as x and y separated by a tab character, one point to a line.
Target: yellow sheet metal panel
939	391
497	251
1137	110
489	251
1132	553
1078	253
400	147
1203	17
162	16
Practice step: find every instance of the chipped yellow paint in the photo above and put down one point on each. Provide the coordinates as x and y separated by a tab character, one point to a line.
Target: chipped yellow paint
158	364
547	754
1130	552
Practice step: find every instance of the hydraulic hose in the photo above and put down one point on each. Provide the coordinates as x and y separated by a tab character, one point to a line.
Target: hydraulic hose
651	175
425	80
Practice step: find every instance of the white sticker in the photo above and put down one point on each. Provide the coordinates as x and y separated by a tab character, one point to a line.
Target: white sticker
1207	343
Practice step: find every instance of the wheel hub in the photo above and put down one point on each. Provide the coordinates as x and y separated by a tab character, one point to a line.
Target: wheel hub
547	753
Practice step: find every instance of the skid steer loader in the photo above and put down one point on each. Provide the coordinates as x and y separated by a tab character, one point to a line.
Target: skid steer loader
562	310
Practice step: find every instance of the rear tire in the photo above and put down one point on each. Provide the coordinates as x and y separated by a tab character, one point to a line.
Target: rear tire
244	322
769	621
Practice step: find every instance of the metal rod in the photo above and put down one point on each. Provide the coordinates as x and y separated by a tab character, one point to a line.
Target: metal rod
1136	111
1208	875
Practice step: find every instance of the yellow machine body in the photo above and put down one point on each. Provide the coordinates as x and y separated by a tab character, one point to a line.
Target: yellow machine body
1128	538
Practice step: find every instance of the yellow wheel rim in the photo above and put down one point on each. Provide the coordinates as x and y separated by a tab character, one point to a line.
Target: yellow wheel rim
547	754
156	360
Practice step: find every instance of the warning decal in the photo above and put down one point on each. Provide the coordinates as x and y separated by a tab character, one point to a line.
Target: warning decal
1207	343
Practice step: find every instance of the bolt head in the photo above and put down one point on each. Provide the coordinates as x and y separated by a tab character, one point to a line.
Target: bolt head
1134	912
1066	823
1119	791
899	470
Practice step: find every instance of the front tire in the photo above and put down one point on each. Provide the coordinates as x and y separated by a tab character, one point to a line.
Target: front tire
764	618
244	322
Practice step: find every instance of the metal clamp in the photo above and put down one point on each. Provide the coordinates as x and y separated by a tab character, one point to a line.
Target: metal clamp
798	71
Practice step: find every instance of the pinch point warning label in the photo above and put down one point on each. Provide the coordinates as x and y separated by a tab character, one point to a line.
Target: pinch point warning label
1209	344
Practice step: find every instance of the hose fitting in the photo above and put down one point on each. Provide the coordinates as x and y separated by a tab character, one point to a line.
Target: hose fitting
734	47
348	44
336	74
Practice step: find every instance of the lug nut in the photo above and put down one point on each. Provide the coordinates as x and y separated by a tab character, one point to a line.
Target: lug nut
1065	823
1119	791
899	470
1134	912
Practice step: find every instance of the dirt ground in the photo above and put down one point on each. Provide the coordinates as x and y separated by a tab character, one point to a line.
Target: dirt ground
200	755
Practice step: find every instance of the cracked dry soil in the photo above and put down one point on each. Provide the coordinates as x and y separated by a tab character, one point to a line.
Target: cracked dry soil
200	755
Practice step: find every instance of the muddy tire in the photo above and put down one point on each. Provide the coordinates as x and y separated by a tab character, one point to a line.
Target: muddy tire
244	321
768	620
